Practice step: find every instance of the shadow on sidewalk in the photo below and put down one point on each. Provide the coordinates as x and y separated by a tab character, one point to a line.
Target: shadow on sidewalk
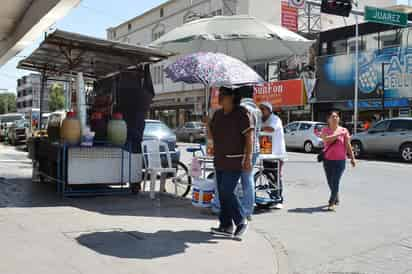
309	210
22	193
139	245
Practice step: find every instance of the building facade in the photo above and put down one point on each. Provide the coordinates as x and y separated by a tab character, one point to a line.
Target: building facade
177	102
385	72
28	92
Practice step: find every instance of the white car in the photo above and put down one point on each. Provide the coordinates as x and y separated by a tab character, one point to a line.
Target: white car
304	135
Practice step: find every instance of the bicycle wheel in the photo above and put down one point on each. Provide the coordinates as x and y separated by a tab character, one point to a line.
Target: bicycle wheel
181	183
265	185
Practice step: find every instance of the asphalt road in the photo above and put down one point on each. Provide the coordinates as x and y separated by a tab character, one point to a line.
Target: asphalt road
371	232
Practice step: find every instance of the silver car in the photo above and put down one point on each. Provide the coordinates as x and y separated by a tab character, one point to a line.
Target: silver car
304	135
392	136
191	131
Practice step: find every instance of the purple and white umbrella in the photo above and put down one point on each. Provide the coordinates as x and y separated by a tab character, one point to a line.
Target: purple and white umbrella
212	70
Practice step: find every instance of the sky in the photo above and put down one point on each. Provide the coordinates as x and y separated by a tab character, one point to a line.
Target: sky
91	17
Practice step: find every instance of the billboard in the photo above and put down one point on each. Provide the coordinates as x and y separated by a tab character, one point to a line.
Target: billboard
289	17
281	94
336	75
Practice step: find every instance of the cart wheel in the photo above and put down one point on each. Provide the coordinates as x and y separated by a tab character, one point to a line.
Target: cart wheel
182	180
265	184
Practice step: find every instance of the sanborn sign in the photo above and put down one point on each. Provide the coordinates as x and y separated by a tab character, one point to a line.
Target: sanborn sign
384	16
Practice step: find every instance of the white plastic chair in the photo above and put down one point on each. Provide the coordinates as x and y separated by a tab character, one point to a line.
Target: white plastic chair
152	160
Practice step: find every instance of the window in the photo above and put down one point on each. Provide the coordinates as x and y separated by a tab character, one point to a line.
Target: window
371	41
390	38
114	34
400	125
305	126
352	44
189	125
339	47
129	27
292	127
157	74
162	12
381	126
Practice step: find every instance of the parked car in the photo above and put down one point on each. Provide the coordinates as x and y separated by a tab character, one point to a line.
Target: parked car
155	129
304	135
191	131
6	120
392	136
17	132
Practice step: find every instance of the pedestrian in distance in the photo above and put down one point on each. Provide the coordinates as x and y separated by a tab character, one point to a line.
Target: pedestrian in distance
337	146
231	134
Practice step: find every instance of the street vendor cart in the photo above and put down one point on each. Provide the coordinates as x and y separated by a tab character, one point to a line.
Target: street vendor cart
117	93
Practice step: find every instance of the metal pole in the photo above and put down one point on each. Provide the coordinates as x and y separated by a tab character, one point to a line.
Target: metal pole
42	86
383	91
356	97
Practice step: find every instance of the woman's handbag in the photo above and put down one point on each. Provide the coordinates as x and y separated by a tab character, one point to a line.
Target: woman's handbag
321	155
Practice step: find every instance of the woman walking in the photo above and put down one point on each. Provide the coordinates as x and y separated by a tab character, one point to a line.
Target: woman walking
337	147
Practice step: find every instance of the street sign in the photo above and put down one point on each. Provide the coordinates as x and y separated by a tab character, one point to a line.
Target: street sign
384	16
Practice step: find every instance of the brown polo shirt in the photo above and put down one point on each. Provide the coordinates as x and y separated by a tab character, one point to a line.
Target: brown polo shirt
228	131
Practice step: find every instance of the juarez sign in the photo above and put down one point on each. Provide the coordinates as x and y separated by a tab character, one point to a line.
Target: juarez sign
384	16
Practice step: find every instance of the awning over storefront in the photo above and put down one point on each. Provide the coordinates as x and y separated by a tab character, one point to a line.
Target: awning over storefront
66	52
22	22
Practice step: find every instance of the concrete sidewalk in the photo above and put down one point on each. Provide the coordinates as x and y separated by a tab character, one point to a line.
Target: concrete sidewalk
41	233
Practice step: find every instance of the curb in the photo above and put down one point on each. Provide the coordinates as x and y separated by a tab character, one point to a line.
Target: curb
281	256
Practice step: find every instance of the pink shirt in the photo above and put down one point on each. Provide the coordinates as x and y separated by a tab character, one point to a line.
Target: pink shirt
336	150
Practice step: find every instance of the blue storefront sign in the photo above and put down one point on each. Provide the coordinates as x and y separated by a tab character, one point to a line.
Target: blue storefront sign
336	75
394	103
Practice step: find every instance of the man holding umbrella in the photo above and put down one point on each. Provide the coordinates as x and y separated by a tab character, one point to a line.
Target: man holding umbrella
231	134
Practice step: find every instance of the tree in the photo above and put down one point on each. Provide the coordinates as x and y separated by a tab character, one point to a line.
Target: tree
7	103
57	99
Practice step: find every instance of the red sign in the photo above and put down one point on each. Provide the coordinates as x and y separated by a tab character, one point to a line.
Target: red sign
288	93
289	17
214	98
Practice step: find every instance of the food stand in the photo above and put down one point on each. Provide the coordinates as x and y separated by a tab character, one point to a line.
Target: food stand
119	72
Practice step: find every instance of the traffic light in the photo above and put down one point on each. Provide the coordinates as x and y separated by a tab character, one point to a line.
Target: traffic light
337	7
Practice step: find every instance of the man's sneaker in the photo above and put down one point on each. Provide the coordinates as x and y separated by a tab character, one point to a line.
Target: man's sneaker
227	232
241	230
278	206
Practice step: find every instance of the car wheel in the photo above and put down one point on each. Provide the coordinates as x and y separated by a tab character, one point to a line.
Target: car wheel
406	152
191	138
357	149
308	147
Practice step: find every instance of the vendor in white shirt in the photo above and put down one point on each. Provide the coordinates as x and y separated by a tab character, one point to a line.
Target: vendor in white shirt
271	123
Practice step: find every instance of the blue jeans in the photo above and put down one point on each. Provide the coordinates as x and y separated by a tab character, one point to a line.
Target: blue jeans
230	211
248	186
334	170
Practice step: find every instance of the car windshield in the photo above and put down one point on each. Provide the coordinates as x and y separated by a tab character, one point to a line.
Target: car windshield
198	124
157	129
20	123
319	127
10	119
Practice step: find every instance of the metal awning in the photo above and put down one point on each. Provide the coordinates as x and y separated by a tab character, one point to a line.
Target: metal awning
65	52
